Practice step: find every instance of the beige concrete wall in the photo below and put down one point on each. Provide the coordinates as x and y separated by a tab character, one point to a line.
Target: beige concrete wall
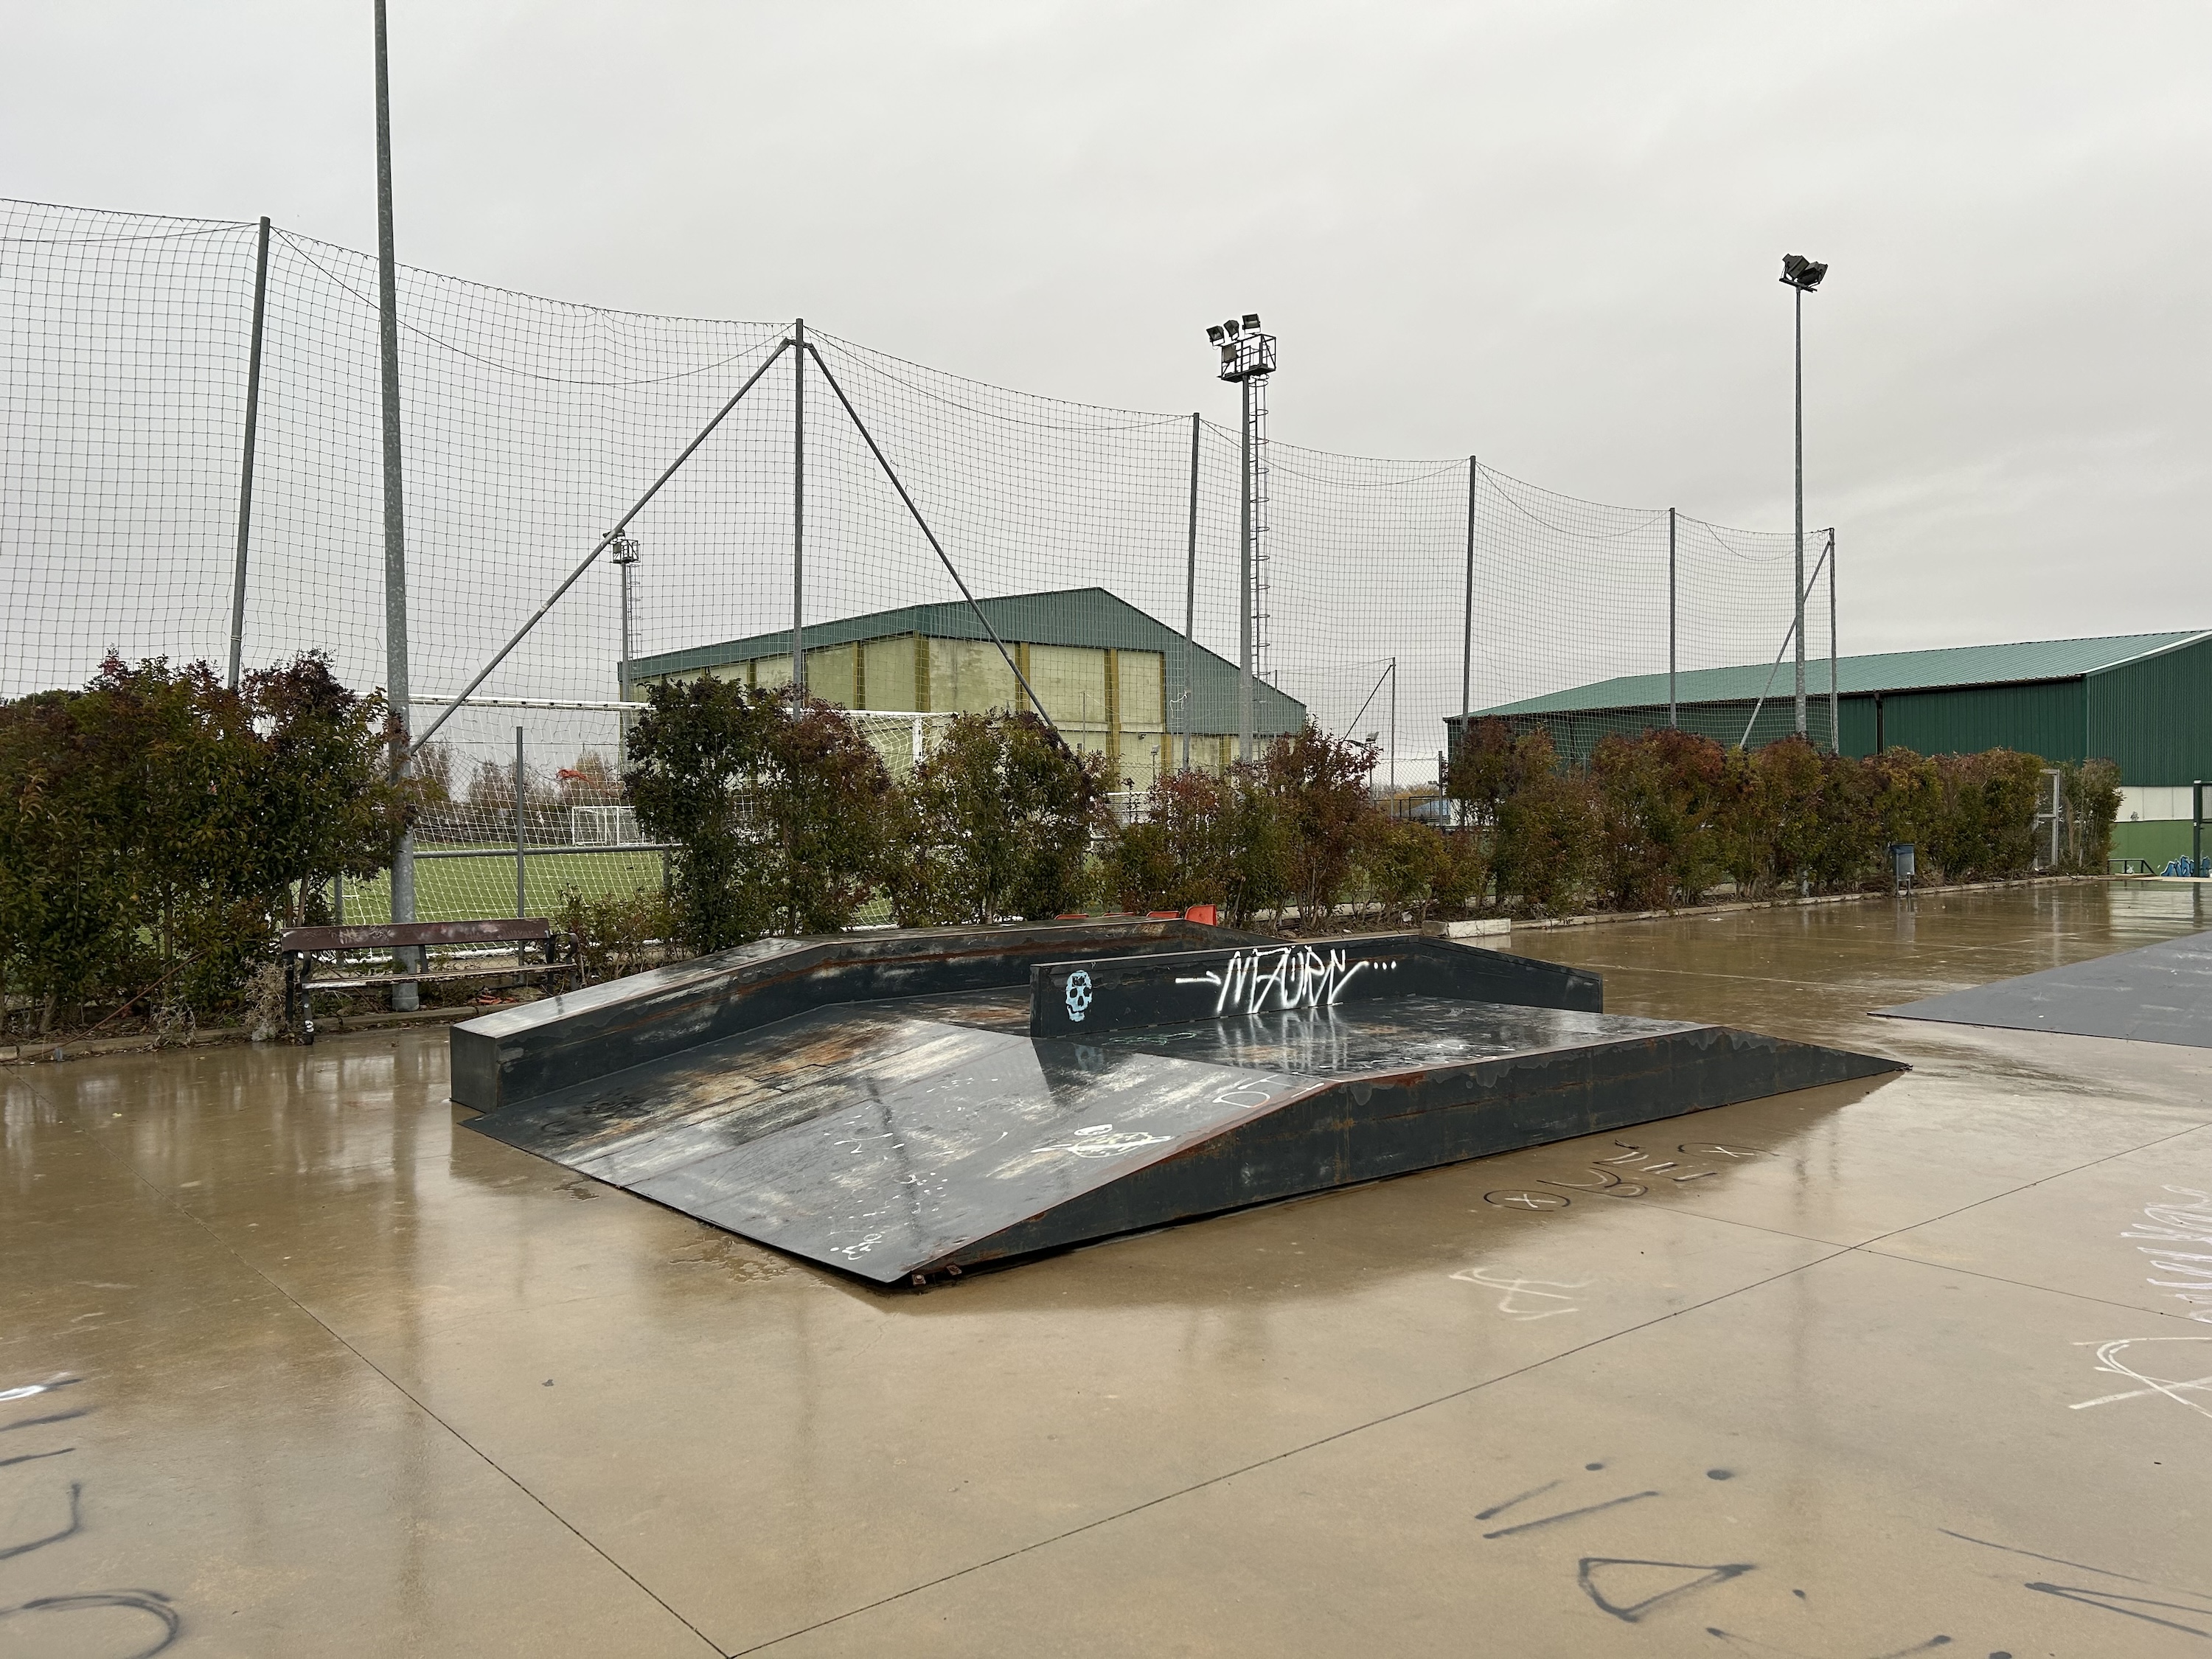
1143	677
888	669
970	677
1070	681
830	674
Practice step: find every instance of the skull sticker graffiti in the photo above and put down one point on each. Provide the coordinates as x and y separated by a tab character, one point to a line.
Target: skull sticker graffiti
1078	995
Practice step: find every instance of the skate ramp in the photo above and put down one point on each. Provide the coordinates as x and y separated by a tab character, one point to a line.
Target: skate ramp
903	1137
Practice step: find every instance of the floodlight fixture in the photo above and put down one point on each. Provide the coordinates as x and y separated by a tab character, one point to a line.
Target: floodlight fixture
622	549
1233	327
1802	273
1252	320
1216	333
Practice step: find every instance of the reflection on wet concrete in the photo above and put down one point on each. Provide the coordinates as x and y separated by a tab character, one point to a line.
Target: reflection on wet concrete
366	1385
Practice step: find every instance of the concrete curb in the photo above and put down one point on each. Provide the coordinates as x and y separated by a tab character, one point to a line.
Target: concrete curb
27	1054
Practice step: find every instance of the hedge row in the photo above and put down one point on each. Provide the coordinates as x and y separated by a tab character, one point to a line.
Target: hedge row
156	827
791	824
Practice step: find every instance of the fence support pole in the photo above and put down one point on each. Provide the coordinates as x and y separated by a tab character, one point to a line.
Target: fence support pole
408	960
246	462
1190	597
521	900
798	503
1835	728
1674	710
1466	635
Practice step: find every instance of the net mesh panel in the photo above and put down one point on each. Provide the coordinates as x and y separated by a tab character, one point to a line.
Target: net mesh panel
530	425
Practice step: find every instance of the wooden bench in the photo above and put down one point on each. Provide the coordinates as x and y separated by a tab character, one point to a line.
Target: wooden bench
298	947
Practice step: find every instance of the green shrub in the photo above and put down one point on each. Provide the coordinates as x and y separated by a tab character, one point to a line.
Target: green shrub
1659	796
1986	827
1319	785
1462	875
1400	862
780	806
2091	790
998	821
156	826
616	934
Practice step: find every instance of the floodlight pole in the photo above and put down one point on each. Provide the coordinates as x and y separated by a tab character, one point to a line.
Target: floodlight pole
246	463
1190	596
798	504
404	994
1244	578
1799	294
1248	357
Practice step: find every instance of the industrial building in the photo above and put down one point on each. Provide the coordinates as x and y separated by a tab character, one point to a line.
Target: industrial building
2143	700
1112	678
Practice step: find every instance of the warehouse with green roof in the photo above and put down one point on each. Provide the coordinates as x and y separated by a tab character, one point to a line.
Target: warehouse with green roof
1115	680
2143	700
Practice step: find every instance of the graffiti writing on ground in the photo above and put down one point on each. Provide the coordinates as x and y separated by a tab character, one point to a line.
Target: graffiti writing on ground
1524	1298
2113	1358
1295	976
44	1507
2176	1227
1590	1530
2191	1615
1693	1160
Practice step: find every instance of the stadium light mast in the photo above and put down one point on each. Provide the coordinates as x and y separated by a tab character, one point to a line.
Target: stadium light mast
1803	275
1248	358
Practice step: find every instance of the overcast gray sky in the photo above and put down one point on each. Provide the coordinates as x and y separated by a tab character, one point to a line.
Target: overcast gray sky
1546	233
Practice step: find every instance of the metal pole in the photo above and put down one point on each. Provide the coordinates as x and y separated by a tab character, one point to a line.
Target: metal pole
798	503
1394	731
1674	713
1800	294
1244	582
395	519
521	903
621	721
246	463
1190	596
1835	730
1467	635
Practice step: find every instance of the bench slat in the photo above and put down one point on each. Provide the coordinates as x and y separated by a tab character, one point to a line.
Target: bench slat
393	935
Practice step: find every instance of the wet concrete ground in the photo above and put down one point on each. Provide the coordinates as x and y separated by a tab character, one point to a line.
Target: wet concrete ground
1886	1368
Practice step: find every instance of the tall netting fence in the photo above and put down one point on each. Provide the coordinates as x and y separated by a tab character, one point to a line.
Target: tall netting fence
1094	538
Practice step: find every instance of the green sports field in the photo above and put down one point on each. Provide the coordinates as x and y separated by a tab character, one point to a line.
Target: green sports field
482	883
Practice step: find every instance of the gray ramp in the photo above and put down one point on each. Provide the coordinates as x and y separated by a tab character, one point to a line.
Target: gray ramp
2159	993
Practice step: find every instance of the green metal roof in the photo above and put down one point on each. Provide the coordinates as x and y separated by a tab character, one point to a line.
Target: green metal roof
1089	616
1889	671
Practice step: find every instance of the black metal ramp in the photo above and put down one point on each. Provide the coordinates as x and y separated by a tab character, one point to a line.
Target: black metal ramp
2158	994
908	1135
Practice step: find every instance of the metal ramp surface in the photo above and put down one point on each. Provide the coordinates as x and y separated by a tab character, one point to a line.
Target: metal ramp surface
2158	994
906	1136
